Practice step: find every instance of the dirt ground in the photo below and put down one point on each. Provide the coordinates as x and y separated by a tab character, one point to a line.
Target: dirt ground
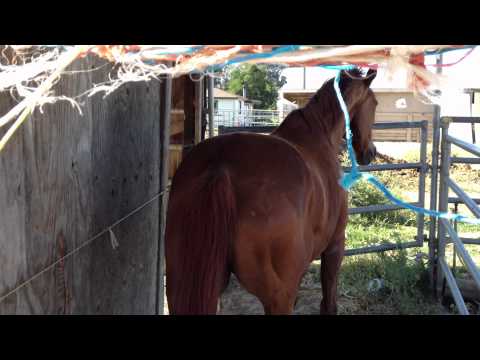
237	301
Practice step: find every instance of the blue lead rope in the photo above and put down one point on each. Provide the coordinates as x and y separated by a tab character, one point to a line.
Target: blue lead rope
350	179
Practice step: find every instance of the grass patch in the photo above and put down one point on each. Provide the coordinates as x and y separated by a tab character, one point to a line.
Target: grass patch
359	235
365	194
396	282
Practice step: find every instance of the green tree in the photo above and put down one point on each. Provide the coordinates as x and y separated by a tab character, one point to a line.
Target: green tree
261	82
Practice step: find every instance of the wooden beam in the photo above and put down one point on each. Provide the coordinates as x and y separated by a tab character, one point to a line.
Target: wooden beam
198	110
165	117
189	109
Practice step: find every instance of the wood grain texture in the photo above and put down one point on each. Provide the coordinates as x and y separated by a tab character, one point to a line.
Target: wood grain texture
63	178
189	110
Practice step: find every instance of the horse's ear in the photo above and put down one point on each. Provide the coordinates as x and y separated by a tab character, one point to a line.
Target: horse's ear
371	74
345	78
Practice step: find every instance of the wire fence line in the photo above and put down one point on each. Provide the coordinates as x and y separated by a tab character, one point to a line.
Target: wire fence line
108	229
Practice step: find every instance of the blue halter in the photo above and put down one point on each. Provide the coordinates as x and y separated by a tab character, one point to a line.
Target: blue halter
348	180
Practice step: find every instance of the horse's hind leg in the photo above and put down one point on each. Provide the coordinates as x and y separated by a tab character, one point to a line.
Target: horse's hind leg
270	261
276	295
331	261
281	302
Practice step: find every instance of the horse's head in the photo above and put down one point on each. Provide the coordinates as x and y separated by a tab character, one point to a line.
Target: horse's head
361	104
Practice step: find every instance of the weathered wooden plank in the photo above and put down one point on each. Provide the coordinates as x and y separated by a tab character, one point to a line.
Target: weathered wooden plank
189	110
64	177
165	113
125	174
12	214
55	215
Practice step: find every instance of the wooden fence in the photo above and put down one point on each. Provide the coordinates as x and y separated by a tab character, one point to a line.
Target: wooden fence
64	178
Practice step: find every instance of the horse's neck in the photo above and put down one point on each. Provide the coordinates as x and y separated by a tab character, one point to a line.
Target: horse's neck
310	138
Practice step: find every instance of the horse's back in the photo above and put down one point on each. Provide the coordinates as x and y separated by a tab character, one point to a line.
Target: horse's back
258	164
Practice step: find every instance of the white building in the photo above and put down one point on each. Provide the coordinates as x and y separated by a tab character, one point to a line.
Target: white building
285	106
231	109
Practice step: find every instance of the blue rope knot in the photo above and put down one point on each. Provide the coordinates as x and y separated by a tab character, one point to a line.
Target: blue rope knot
350	179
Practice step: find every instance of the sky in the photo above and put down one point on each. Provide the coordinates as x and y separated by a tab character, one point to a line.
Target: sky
465	74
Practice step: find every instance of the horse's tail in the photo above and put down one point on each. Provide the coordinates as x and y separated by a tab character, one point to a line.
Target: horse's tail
198	270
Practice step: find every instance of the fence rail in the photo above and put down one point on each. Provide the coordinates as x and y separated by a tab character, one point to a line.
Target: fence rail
445	228
423	169
473	149
245	118
409	131
248	117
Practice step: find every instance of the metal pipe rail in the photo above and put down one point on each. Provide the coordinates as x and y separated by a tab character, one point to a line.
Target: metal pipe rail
378	208
376	126
472	149
386	167
445	228
452	284
464	255
422	166
466	241
464	160
432	243
456	200
381	248
471	204
400	125
463	119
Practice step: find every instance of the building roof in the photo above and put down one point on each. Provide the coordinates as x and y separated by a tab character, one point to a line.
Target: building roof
222	94
471	90
285	101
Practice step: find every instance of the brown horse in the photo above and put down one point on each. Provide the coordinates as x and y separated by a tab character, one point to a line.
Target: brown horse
265	206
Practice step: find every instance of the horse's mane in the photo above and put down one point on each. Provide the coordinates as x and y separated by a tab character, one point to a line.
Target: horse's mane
323	110
325	100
